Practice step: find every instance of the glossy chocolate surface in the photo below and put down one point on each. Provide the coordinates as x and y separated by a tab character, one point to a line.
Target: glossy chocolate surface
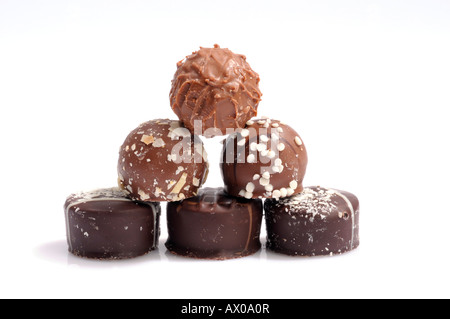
267	159
104	224
319	221
214	225
162	161
216	87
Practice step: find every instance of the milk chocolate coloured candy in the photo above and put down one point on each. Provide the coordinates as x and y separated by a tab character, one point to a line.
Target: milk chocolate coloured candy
105	224
162	161
319	221
267	159
215	226
217	88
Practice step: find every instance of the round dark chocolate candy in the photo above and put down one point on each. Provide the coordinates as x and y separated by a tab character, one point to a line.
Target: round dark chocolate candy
267	159
105	224
214	225
162	161
319	221
216	88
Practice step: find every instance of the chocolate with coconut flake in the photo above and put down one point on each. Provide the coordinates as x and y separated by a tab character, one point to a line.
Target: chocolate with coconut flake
319	221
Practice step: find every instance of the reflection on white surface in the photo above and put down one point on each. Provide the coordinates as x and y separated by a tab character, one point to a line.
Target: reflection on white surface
56	252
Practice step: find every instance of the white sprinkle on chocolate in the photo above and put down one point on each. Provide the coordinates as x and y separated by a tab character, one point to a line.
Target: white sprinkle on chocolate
278	162
293	185
264	181
298	141
276	194
245	133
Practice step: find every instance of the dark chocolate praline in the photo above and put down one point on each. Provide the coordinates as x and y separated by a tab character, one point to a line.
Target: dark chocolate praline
105	224
214	226
319	221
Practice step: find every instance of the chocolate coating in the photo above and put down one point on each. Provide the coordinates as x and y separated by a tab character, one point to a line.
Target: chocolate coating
267	159
217	87
162	161
104	224
320	221
214	225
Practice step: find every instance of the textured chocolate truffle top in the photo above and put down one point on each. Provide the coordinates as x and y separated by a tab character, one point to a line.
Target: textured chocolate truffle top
162	161
217	88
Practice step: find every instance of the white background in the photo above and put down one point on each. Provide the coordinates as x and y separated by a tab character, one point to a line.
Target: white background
365	83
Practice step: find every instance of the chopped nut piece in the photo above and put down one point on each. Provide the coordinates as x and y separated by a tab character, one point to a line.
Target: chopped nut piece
159	142
196	182
148	139
143	195
179	186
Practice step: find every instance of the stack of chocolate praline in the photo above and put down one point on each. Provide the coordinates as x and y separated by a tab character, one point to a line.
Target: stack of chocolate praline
214	93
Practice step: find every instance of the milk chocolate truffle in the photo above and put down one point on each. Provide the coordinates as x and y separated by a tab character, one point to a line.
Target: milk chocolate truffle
162	161
267	159
215	226
319	221
105	224
217	88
